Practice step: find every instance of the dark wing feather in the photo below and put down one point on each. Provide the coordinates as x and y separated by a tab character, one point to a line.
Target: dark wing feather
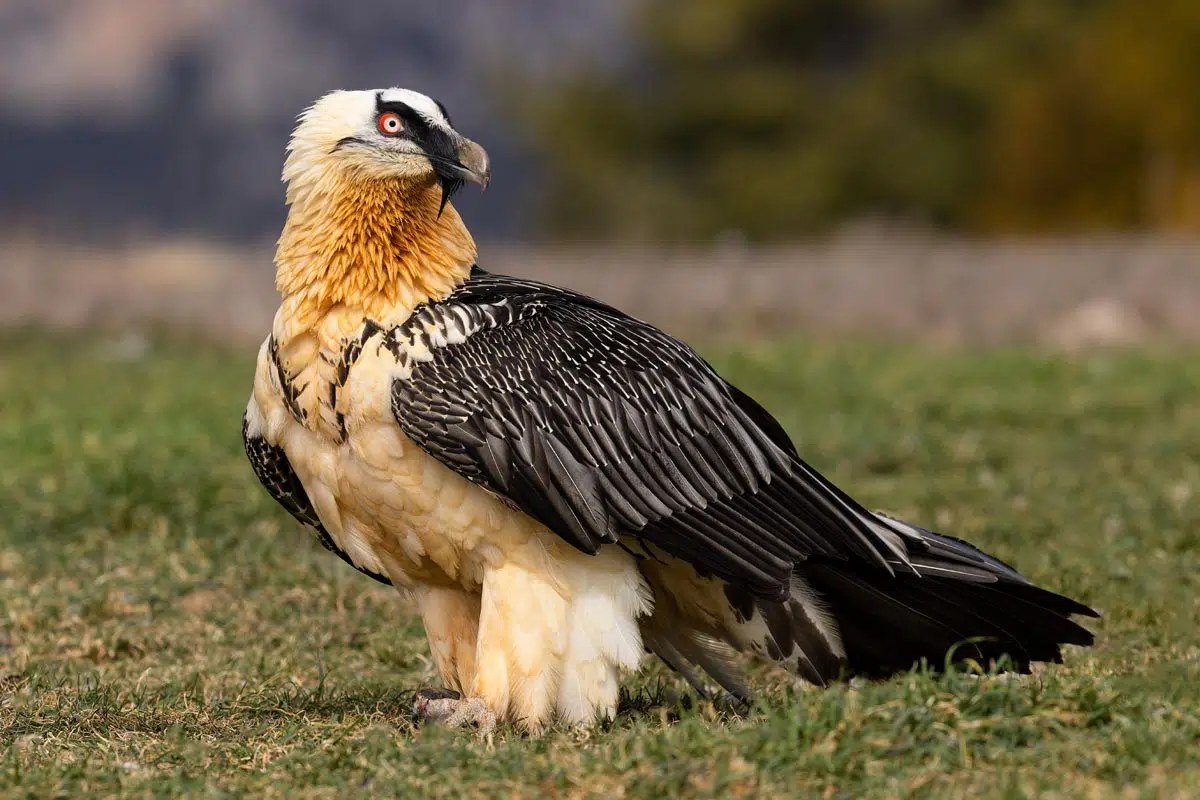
598	424
275	472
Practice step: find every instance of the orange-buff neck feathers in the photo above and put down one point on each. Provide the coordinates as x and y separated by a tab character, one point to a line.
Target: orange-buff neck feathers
367	242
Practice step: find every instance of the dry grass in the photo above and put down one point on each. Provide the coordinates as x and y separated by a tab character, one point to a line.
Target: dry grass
165	629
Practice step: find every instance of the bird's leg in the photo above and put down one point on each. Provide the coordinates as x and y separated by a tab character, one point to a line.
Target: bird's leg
452	623
451	618
449	707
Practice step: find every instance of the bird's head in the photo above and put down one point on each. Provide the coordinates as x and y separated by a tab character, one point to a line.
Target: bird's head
394	135
368	177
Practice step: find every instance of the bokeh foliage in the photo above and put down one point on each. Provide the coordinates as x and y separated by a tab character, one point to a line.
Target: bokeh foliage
774	118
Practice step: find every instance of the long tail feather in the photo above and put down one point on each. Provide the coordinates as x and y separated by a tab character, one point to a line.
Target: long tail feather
963	602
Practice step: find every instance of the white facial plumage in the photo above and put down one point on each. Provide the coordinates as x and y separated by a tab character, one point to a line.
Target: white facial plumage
340	129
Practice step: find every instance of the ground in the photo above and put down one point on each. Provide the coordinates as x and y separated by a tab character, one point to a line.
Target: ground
165	629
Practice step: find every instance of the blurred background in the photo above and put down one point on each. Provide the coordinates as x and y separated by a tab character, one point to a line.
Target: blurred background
957	171
886	220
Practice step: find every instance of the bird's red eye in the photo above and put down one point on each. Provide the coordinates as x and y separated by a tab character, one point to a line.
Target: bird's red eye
390	124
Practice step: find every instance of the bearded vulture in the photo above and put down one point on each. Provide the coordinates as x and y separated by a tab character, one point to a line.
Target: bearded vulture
558	486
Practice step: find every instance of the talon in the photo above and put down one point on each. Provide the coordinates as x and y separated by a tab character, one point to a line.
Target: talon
473	710
449	707
435	705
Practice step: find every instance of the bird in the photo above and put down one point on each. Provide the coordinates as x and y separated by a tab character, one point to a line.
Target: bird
561	488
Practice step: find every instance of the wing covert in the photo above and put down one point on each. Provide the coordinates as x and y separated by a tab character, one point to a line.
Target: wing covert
600	425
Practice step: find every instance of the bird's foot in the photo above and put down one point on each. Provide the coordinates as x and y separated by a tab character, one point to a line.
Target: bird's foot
450	708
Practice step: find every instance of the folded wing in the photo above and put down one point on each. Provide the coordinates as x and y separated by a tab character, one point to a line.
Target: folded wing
600	425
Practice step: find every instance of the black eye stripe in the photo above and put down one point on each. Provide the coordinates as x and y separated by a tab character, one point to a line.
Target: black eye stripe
434	139
414	121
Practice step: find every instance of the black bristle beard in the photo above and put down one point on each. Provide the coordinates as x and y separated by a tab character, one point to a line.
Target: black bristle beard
450	187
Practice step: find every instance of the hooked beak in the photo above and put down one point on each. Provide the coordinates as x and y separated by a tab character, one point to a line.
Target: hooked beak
474	164
469	163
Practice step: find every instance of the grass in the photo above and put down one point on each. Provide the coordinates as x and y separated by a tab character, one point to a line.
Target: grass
165	629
